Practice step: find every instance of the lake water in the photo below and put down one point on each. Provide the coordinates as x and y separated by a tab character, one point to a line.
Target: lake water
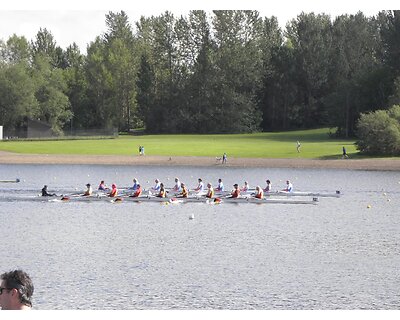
338	254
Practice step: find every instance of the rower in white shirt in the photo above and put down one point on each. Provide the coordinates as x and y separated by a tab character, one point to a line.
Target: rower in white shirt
177	186
200	186
135	184
246	187
289	187
220	186
268	188
156	186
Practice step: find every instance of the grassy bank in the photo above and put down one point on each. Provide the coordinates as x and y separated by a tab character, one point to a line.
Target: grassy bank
314	144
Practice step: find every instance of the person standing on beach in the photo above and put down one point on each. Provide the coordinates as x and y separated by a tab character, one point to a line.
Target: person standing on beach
224	158
16	290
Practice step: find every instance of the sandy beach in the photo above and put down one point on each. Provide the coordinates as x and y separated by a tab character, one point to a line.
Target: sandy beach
134	160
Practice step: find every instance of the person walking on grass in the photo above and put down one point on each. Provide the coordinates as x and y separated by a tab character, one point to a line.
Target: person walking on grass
298	145
344	156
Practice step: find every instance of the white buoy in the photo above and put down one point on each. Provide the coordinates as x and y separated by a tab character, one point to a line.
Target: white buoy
384	193
369	206
191	217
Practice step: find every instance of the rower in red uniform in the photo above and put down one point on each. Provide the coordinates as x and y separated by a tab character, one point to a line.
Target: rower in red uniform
138	192
114	191
259	193
236	191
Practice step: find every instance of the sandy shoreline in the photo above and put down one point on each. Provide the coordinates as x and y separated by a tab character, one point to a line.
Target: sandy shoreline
135	160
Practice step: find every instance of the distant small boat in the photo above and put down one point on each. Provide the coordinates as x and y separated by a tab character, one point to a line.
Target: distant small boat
10	181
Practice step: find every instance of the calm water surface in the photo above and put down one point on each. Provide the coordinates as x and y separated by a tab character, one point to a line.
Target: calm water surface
338	254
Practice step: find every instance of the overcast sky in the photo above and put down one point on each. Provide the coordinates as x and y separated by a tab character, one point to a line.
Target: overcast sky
81	21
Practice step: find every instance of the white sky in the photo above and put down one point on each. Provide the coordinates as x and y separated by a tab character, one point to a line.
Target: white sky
81	21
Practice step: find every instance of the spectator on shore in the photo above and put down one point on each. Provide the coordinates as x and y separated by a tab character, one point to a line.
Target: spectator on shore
344	153
16	290
224	158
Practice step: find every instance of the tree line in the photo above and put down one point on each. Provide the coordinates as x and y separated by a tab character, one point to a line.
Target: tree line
221	72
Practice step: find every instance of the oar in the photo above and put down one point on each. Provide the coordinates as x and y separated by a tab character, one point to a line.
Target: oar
10	181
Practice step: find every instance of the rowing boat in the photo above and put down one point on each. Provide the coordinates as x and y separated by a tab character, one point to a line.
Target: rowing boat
10	181
336	194
96	198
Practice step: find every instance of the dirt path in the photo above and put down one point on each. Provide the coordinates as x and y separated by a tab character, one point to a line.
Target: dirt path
362	164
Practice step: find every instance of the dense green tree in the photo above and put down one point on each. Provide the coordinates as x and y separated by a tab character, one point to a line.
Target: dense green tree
311	38
77	86
17	92
50	93
354	67
237	63
15	50
379	132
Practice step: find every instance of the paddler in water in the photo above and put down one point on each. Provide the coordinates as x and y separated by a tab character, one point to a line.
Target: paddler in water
184	193
235	192
259	193
88	191
210	191
114	191
138	192
45	193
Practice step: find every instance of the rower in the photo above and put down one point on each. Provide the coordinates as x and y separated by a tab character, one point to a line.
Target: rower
114	191
246	187
138	192
162	193
236	191
289	187
210	191
184	193
259	193
102	186
200	186
45	193
88	191
268	188
178	185
156	186
135	184
220	186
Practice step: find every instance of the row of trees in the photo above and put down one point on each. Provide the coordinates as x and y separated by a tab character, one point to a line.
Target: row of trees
229	71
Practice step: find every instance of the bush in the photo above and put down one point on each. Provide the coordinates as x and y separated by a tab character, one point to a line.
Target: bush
379	132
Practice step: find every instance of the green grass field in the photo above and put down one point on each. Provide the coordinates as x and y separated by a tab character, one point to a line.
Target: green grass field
314	144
